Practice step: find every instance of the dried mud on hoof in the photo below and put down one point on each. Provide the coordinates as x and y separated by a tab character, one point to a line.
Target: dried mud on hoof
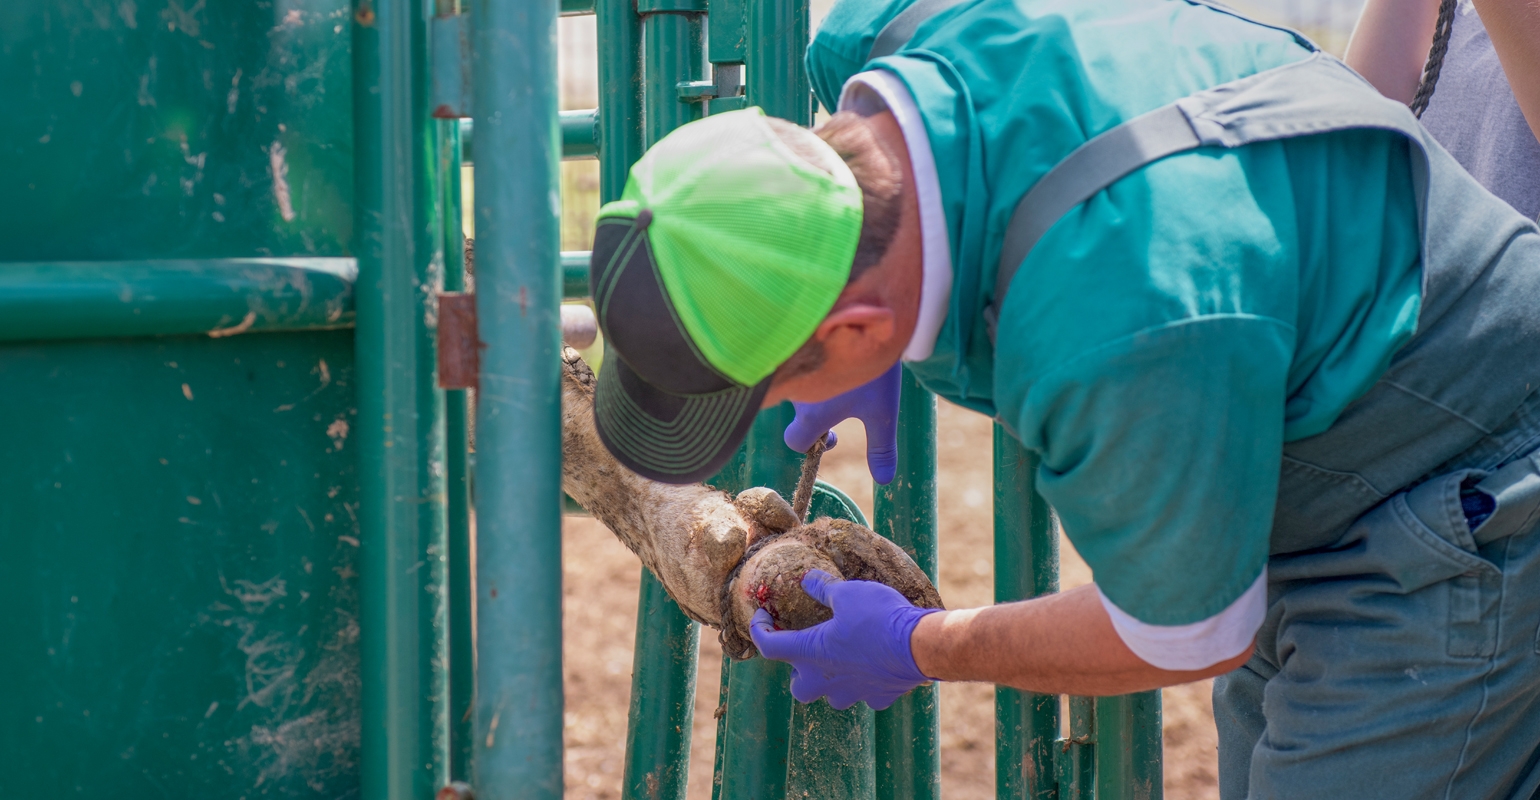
721	558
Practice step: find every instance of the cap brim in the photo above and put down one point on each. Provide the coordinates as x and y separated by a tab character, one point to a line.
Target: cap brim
667	437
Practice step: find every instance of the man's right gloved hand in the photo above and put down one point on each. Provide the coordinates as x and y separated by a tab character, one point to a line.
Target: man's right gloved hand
875	404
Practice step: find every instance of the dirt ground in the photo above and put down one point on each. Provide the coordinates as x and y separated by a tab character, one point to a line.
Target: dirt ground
601	578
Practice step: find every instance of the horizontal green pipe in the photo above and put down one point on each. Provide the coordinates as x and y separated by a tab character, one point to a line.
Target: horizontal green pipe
218	297
574	274
578	137
572	8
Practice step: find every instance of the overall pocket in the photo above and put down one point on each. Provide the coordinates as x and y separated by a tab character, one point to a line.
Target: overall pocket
1436	513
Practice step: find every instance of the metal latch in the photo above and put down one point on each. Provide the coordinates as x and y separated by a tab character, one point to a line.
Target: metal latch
726	82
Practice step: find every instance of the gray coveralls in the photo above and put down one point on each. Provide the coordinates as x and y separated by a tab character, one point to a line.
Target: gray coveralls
1399	657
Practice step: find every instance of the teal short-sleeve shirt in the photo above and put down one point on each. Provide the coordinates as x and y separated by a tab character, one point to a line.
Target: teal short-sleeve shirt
1164	339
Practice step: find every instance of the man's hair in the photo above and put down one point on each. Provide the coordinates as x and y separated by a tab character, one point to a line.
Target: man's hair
875	167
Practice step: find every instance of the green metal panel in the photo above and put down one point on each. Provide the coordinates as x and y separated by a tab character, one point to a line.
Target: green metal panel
908	752
667	642
518	696
182	580
457	484
1026	566
173	130
181	570
758	717
400	421
221	297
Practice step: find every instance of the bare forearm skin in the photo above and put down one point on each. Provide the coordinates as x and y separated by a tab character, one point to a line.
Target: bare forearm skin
1390	44
1059	644
1514	26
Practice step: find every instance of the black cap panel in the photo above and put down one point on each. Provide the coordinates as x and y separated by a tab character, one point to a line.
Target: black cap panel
636	316
667	437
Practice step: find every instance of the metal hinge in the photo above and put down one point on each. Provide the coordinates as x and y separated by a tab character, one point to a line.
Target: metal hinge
459	348
459	342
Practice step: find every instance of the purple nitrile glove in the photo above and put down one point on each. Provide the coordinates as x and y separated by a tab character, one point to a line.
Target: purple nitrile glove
874	403
861	654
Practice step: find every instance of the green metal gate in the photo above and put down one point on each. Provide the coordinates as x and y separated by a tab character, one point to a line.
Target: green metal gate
236	505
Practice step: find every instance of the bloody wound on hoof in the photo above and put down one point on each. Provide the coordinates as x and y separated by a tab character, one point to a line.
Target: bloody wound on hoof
721	558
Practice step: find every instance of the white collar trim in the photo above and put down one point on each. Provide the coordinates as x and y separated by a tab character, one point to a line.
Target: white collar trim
869	93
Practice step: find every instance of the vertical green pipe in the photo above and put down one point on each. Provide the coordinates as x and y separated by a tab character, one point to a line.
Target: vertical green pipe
667	642
719	752
759	701
1026	565
758	717
1128	747
404	733
518	695
662	697
732	479
831	752
777	78
1078	754
462	648
620	93
907	751
728	31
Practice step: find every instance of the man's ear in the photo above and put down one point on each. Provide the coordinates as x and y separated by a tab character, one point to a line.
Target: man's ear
857	329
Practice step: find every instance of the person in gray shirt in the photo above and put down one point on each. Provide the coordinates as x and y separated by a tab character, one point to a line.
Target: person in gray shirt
1477	88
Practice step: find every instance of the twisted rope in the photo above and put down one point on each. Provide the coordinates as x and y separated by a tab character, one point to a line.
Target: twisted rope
802	498
1435	64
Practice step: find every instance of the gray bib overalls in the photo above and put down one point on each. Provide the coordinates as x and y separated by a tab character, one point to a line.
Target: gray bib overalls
1400	657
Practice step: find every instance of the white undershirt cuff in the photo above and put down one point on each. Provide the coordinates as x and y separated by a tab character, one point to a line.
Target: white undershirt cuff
1200	644
868	93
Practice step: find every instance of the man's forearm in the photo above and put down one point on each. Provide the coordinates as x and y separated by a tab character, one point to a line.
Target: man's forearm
1514	26
1059	644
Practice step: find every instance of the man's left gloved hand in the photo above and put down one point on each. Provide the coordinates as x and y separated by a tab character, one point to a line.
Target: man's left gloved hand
874	403
863	653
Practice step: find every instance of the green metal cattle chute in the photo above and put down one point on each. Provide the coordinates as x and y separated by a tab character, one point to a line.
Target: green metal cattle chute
236	504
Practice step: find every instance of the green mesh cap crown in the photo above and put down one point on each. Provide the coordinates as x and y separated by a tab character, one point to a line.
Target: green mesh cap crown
753	244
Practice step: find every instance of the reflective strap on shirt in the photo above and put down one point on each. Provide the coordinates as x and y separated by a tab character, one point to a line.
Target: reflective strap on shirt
1316	95
1092	166
901	28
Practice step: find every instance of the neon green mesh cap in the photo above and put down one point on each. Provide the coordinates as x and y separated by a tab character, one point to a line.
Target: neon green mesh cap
752	242
724	253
